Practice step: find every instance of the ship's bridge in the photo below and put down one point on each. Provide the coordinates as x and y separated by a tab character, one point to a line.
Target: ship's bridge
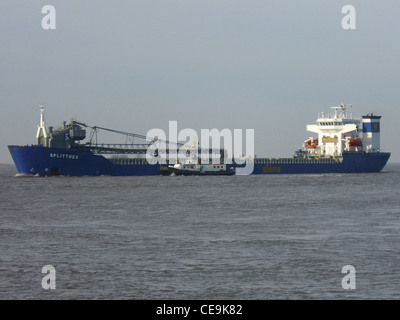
337	132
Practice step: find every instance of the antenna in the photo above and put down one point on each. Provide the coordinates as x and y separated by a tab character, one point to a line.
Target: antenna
41	115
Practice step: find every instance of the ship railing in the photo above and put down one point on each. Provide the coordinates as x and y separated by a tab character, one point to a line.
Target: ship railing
128	161
275	161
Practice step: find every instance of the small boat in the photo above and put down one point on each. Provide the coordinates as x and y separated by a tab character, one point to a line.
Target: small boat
191	169
193	166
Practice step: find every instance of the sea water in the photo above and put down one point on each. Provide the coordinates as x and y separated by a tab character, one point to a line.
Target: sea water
228	237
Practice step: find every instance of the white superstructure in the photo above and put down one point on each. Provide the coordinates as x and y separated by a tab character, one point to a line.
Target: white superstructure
339	132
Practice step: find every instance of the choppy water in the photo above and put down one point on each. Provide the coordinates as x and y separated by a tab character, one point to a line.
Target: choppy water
241	237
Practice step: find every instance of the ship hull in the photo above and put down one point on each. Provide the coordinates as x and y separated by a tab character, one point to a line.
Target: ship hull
351	162
43	161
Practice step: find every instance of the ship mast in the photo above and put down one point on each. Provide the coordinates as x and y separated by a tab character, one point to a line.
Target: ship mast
341	108
41	132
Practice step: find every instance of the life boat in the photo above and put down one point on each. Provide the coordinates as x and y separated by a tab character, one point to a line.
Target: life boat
312	143
357	142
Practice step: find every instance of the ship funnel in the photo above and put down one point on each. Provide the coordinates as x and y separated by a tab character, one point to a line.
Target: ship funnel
371	132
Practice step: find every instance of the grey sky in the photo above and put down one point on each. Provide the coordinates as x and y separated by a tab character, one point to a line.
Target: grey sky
271	66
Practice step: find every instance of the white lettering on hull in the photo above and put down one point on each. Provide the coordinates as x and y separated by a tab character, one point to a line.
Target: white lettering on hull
64	156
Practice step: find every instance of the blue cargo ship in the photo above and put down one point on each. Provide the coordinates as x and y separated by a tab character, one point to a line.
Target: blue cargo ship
342	145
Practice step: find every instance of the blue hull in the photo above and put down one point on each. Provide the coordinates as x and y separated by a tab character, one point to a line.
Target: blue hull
353	162
42	161
38	160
